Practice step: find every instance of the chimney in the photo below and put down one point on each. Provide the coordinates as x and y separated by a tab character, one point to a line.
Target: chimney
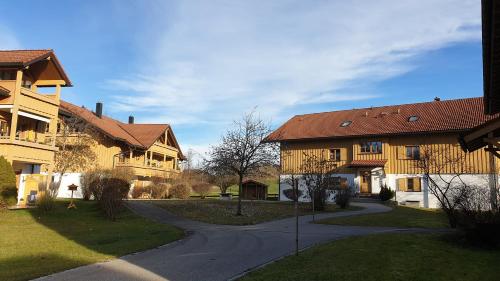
131	119
437	99
98	109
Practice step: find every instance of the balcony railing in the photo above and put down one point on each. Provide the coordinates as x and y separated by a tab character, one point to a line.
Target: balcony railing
20	136
154	164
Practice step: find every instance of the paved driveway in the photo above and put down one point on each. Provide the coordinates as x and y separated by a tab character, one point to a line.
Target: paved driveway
216	252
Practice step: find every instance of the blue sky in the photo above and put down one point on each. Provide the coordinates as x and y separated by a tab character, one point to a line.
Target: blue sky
199	64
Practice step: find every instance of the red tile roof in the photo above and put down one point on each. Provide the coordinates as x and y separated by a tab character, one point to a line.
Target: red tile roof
437	116
142	136
23	58
367	163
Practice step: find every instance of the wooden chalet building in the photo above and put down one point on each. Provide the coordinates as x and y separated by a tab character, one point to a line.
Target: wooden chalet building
149	150
371	147
28	114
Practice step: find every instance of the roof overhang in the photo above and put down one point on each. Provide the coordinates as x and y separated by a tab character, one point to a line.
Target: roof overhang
49	55
480	136
490	15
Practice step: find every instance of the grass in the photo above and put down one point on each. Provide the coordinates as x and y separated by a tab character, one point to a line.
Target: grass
34	243
398	217
223	212
386	257
273	188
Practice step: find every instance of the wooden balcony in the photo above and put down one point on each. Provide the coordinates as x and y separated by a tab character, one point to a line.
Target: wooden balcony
150	168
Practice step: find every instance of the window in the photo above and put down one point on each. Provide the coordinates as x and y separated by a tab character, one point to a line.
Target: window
4	131
413	118
7	75
413	152
371	147
335	154
409	184
345	123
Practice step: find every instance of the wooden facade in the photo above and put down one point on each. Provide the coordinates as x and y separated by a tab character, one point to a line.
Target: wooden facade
293	153
149	150
28	115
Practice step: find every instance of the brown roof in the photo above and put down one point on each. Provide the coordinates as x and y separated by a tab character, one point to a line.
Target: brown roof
254	182
437	116
23	58
367	163
141	136
146	134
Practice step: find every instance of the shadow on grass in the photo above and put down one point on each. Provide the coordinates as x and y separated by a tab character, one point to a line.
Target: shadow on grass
36	243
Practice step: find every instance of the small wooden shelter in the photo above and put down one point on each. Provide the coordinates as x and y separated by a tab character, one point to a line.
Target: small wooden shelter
254	190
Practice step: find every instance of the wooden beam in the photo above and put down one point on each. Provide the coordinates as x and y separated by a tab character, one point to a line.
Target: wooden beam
50	82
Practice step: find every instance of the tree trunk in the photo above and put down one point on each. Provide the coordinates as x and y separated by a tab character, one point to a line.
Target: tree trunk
296	195
240	191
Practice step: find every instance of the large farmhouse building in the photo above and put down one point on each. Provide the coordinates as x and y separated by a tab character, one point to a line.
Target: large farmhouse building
372	147
30	90
148	150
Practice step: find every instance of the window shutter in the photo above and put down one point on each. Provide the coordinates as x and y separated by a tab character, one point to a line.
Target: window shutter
401	152
343	154
416	184
401	184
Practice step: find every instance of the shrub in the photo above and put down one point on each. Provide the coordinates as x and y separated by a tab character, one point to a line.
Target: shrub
113	192
202	188
46	202
160	190
8	189
291	195
343	197
180	191
385	193
137	191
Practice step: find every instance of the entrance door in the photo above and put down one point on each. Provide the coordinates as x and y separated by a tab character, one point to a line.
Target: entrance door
366	182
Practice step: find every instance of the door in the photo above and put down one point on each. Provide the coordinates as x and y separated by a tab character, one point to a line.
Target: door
366	182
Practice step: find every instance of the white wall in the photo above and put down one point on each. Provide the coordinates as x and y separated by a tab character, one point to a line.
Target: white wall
28	169
302	186
423	199
68	179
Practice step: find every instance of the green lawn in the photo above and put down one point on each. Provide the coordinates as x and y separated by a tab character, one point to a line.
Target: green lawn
272	187
223	212
34	243
423	257
398	217
233	189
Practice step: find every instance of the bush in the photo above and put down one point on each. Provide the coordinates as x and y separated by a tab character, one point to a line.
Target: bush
113	192
137	191
8	189
46	202
385	193
202	189
180	191
160	191
343	197
291	195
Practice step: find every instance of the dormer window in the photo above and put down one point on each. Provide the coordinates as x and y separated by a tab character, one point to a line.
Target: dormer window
413	118
345	123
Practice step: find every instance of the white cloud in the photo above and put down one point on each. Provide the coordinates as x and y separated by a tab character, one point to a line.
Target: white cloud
211	60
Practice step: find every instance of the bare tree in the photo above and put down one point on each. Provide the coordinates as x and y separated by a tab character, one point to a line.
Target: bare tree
243	151
75	140
220	176
443	172
317	172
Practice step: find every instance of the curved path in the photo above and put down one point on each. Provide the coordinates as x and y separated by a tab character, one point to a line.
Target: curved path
218	252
